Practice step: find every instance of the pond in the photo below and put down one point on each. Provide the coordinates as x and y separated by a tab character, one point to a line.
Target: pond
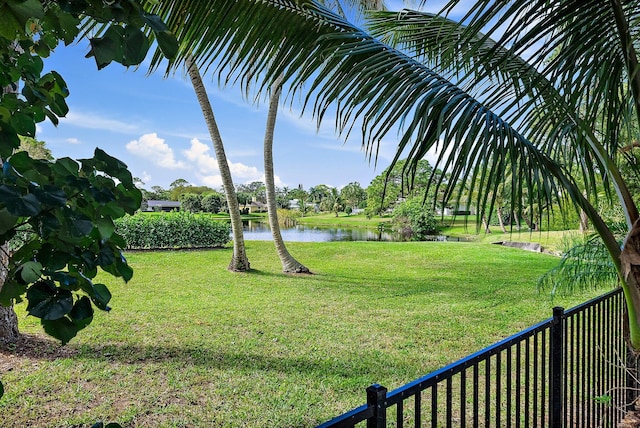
260	231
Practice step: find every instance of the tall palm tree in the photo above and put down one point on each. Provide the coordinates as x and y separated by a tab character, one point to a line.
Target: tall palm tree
239	261
469	87
289	263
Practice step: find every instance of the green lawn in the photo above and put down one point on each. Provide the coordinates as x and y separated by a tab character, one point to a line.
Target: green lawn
190	344
343	220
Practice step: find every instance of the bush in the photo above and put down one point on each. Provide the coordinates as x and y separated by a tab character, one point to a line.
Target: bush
191	202
414	219
212	203
173	230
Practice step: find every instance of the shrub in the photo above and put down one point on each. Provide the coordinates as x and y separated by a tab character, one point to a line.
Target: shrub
191	202
173	230
414	219
212	203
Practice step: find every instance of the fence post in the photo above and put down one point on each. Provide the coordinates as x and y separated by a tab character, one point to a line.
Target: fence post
556	368
376	396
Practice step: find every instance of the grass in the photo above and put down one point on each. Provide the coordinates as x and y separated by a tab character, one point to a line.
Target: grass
343	220
190	344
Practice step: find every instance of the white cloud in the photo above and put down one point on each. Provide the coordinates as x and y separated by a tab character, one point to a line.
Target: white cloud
72	141
91	121
206	166
146	177
153	148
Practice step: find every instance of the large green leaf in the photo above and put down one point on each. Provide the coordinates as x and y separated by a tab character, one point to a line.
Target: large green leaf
106	227
7	220
19	204
82	312
107	48
101	296
14	15
48	302
62	329
30	271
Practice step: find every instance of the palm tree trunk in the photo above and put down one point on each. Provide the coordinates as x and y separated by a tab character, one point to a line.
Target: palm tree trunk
289	263
239	261
485	224
500	220
8	319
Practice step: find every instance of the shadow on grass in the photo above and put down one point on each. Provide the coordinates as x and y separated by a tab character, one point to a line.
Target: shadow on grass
196	356
37	347
43	348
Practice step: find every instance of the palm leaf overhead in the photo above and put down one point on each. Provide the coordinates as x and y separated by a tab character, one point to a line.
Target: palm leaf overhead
337	65
516	90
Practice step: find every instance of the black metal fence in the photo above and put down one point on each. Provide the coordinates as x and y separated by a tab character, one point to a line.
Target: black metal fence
572	370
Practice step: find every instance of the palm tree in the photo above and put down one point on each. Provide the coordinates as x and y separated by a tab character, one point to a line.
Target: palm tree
289	263
468	87
239	261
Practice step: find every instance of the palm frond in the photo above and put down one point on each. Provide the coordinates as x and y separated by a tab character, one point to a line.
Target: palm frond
584	266
337	65
515	89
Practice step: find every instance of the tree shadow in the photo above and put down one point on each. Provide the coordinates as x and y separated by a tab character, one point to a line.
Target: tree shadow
43	348
201	356
37	347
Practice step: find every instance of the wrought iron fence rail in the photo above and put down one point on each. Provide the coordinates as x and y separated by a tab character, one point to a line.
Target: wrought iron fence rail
556	373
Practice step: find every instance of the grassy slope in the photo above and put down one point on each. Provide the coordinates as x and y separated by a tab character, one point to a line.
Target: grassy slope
191	344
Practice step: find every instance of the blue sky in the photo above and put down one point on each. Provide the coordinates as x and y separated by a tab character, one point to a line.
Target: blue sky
154	124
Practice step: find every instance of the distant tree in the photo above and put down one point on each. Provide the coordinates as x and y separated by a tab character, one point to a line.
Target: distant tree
177	191
353	195
191	202
36	149
397	183
414	219
212	202
282	197
302	196
319	193
256	189
332	201
159	193
244	198
179	182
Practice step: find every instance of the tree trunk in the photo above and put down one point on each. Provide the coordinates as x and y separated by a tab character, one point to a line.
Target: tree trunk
584	222
239	261
8	319
485	224
529	222
289	263
501	221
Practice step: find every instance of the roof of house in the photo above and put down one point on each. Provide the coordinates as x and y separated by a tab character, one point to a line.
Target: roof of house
157	203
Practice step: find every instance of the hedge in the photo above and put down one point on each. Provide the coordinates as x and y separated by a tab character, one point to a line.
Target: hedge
173	230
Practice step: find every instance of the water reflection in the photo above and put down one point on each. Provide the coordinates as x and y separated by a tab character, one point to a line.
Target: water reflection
260	231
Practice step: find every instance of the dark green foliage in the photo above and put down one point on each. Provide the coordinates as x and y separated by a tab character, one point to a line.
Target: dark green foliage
414	219
191	202
63	212
173	230
212	202
397	182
